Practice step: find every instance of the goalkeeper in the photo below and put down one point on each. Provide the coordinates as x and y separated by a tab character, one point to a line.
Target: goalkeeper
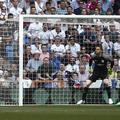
100	70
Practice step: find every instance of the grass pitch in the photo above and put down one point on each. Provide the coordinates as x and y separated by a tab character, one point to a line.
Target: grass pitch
63	112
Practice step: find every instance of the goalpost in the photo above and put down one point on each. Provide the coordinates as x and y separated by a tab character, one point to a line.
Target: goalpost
31	89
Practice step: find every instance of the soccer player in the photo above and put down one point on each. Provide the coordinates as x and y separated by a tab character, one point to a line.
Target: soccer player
100	70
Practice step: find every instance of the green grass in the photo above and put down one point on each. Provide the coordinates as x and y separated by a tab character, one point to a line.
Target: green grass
52	112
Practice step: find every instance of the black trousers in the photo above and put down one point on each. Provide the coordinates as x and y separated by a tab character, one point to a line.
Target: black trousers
28	96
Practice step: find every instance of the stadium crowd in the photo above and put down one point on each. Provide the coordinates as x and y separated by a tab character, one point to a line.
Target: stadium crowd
58	7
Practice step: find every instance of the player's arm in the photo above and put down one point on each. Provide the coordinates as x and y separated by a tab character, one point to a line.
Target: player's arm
109	59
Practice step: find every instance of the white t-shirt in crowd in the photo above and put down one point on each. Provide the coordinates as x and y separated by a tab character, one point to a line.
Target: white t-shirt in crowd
117	46
74	49
72	68
54	34
15	12
58	49
45	36
34	48
34	29
83	78
27	83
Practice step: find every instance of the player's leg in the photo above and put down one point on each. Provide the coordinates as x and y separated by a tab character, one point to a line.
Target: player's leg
49	100
88	83
118	102
108	89
72	95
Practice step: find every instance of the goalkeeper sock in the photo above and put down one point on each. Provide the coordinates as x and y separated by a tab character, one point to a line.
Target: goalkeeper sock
108	89
119	94
85	93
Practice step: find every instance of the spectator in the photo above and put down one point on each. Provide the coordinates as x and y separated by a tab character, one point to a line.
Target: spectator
107	46
62	9
92	4
58	82
73	85
45	75
4	64
36	45
5	88
3	13
117	46
73	47
28	10
116	6
25	4
55	61
33	65
98	32
57	47
66	58
27	85
53	11
45	70
97	12
83	75
78	10
72	66
83	11
15	9
84	53
39	6
34	29
84	61
105	5
70	11
99	6
2	4
109	11
45	34
53	3
27	55
32	10
69	31
75	4
118	12
10	16
64	75
115	67
44	52
113	33
47	11
9	49
89	38
58	31
14	72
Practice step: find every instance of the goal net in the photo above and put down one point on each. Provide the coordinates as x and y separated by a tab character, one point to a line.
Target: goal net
9	62
52	58
57	49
